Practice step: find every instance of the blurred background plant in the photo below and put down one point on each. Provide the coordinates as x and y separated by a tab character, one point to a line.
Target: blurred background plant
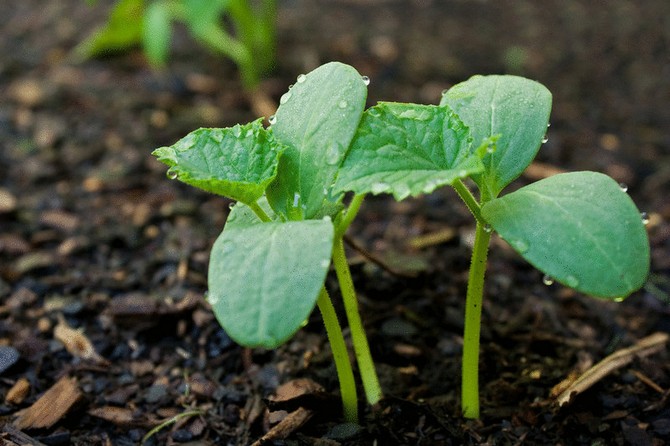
241	30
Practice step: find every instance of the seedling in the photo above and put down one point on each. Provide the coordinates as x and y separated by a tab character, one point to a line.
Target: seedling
268	267
249	42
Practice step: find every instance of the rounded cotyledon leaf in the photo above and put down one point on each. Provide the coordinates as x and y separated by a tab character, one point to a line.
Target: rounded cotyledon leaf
407	149
511	107
264	278
316	120
580	229
237	162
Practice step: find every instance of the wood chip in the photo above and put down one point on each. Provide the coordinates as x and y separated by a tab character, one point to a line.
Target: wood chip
434	238
76	342
11	436
7	201
119	416
51	406
18	392
644	347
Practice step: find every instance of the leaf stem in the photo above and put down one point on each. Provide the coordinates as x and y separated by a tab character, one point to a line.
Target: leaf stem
366	366
473	315
259	211
341	356
349	215
469	200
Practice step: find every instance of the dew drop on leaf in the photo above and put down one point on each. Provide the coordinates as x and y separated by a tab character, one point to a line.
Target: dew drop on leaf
645	218
366	80
213	299
572	281
301	78
333	155
343	104
488	228
547	280
296	199
325	263
623	187
545	139
519	245
284	98
172	174
272	120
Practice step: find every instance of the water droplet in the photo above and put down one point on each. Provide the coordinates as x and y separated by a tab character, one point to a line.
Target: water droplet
296	199
491	148
462	173
290	86
343	104
548	124
272	120
212	298
545	139
445	91
378	188
333	154
487	228
301	78
519	245
172	173
547	280
285	97
366	80
325	263
645	218
231	205
623	187
572	281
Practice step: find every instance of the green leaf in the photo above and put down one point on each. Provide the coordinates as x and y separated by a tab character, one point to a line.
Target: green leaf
156	32
407	149
237	162
580	229
265	278
513	107
316	119
122	31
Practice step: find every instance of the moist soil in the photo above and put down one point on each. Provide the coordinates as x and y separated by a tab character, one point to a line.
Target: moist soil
94	238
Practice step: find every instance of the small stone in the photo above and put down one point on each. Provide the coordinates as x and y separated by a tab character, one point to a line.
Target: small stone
8	357
7	201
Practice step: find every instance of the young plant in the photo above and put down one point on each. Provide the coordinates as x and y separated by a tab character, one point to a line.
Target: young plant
268	267
250	42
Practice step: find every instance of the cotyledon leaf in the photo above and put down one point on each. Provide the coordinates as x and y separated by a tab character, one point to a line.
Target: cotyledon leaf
316	120
512	107
580	229
407	149
237	162
264	278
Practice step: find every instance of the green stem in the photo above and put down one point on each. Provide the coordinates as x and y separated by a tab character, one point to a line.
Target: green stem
349	215
344	372
259	211
469	200
366	366
473	315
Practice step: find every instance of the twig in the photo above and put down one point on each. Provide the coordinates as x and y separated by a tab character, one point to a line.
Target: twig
644	347
375	259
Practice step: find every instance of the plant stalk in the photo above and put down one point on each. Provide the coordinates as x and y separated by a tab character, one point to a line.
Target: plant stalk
345	374
473	315
366	366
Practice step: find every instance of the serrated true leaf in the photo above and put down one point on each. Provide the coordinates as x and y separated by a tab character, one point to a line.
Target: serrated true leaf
316	120
237	162
513	107
580	229
407	149
265	278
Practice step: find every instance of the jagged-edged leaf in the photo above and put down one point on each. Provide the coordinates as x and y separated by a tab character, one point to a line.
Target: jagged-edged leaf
237	162
513	107
580	229
316	120
265	278
407	149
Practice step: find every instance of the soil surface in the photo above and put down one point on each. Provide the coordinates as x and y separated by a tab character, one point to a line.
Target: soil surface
104	332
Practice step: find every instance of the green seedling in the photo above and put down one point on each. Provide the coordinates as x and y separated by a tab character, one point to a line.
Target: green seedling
249	42
580	229
268	267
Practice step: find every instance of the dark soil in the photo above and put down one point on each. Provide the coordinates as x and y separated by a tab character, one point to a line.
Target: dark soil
91	231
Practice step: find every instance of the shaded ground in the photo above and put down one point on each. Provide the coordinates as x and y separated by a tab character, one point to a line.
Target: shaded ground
91	229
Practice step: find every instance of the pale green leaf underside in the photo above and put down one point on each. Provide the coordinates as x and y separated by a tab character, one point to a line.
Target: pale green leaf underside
316	120
264	279
513	107
580	229
407	149
237	162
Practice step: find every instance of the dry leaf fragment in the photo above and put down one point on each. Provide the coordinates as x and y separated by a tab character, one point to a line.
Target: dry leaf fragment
51	406
76	342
